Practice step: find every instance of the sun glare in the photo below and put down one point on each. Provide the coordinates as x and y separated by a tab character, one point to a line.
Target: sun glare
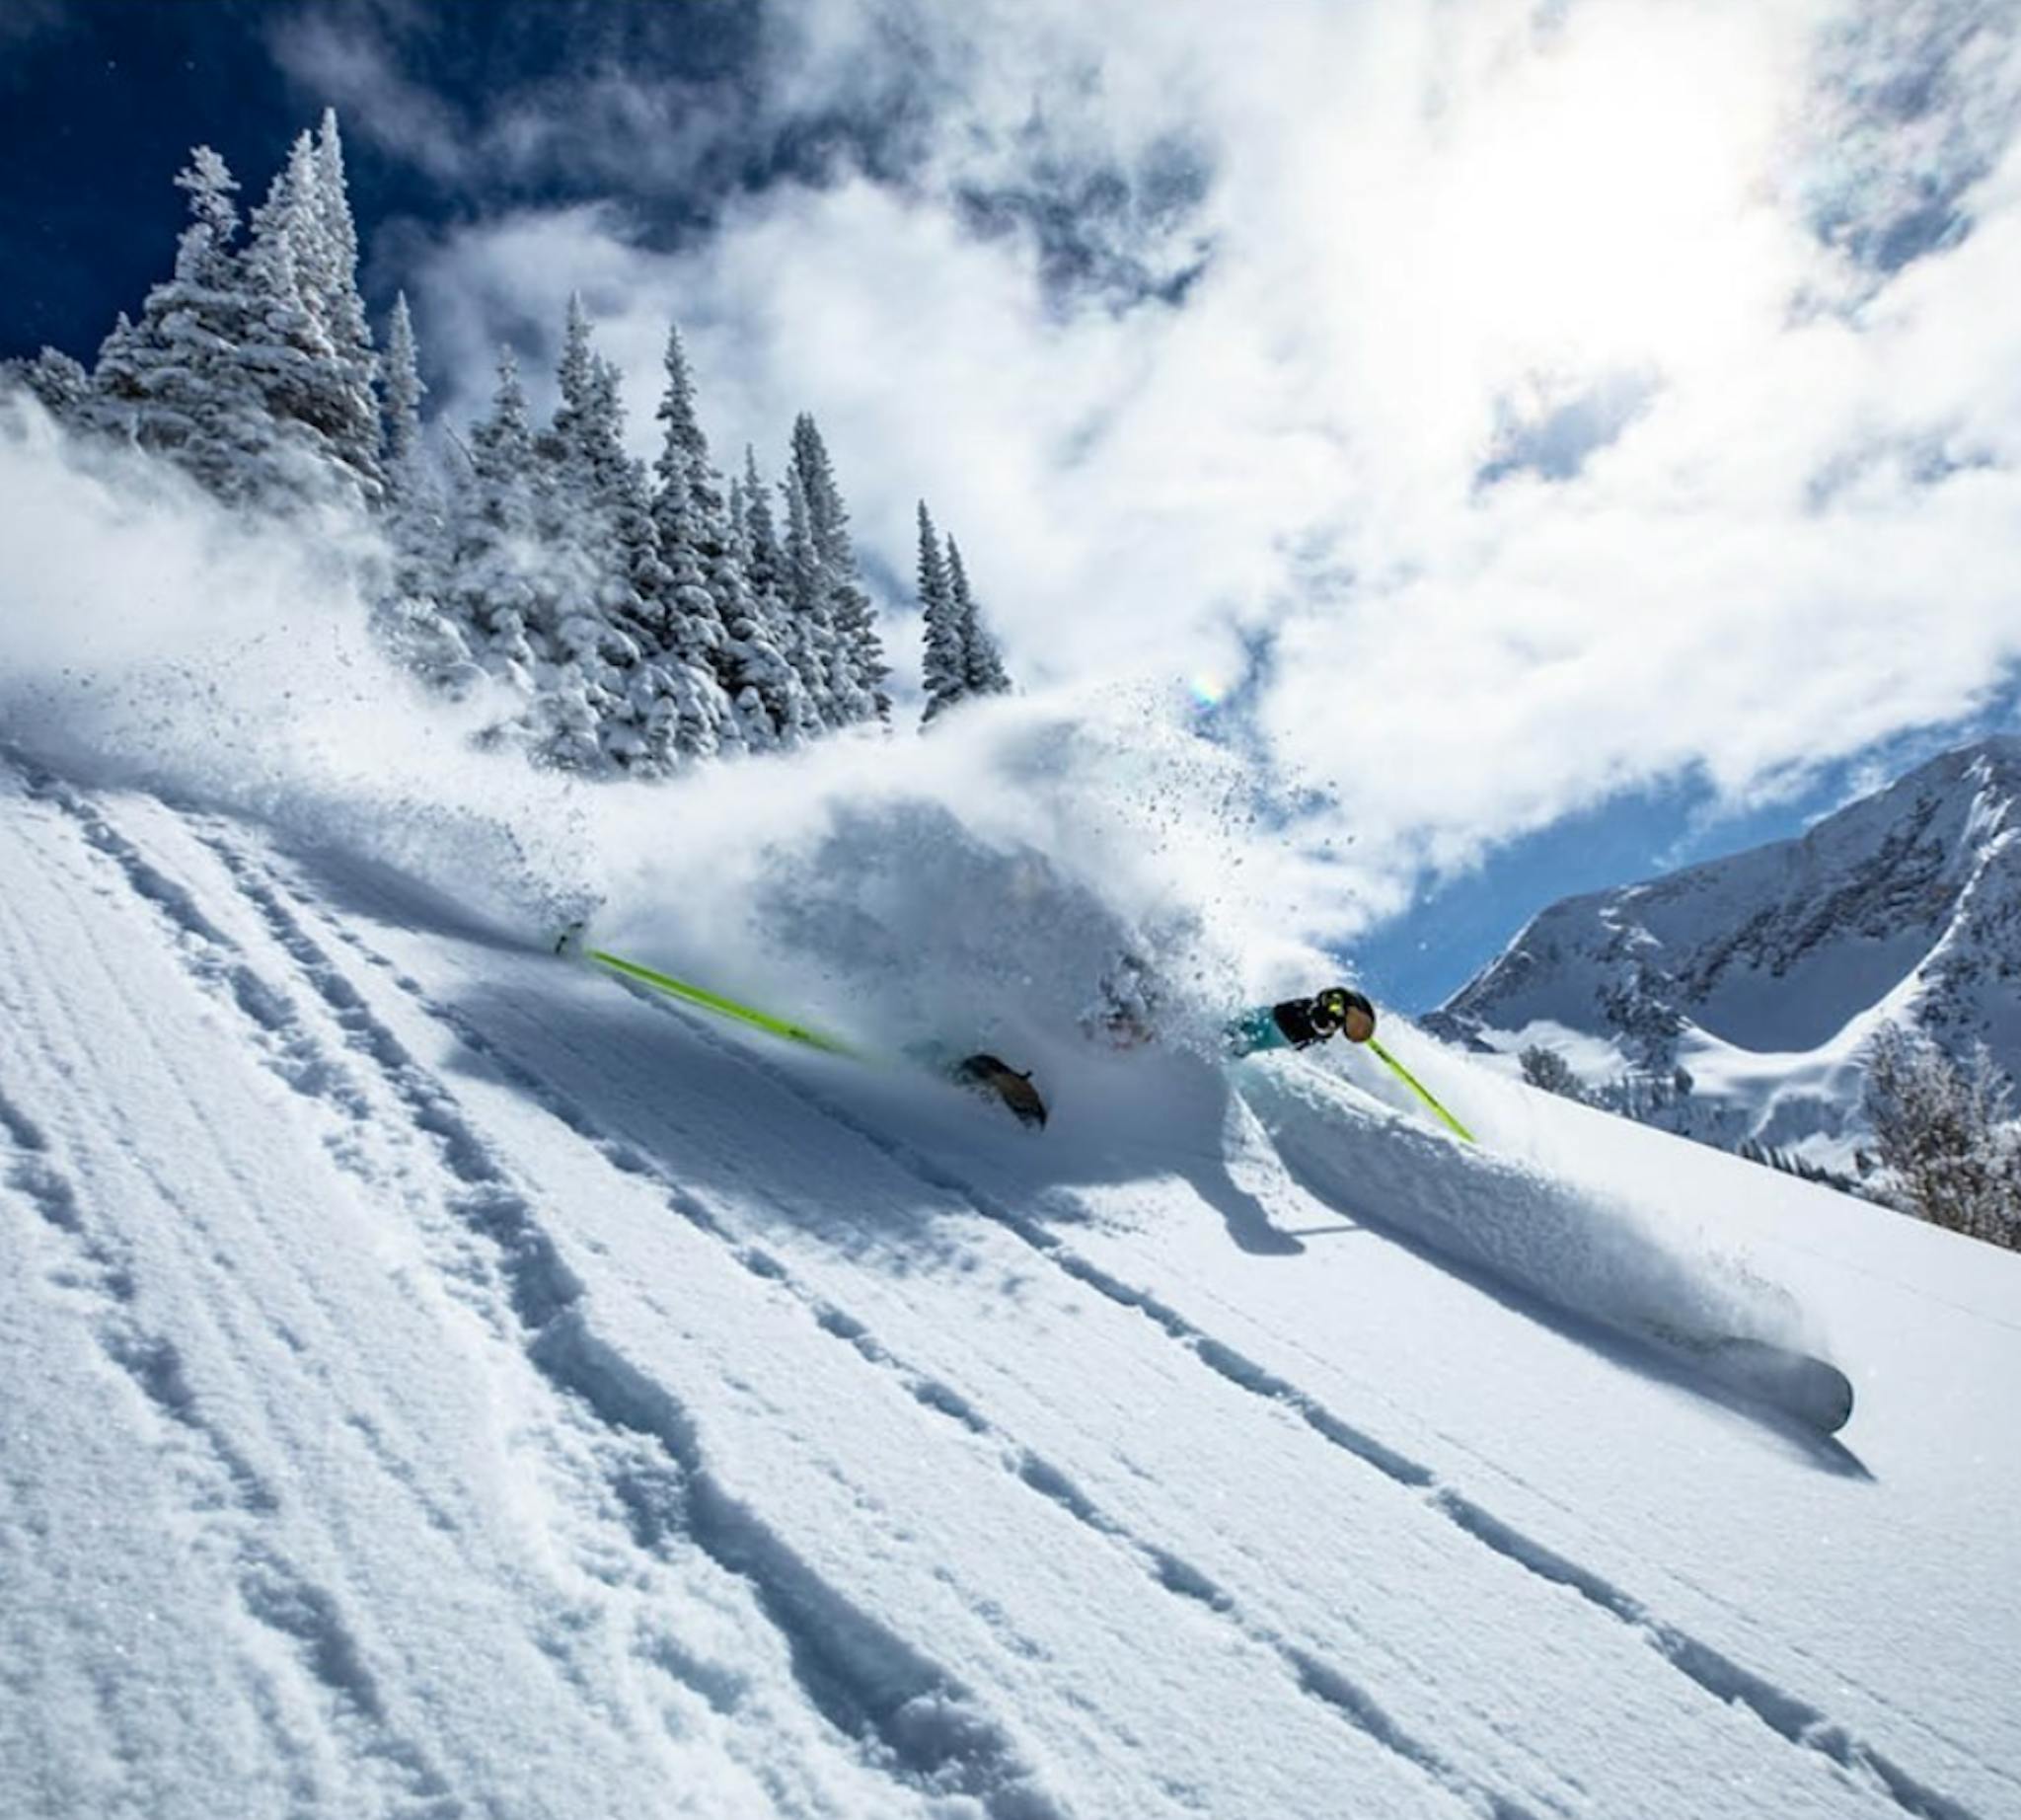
1599	200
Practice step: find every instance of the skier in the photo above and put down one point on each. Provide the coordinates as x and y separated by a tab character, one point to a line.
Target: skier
1298	1024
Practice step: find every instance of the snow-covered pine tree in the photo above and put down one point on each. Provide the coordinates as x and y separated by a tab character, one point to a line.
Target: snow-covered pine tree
178	381
490	596
765	571
675	709
1548	1069
982	662
1943	1130
314	354
764	556
403	388
592	707
860	671
661	695
331	284
944	671
819	657
59	383
290	351
566	443
759	639
695	514
412	617
692	629
119	381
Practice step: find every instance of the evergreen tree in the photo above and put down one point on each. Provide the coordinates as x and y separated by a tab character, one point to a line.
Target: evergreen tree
403	388
1548	1070
178	381
640	701
764	557
290	349
252	366
313	350
693	629
331	275
414	619
766	651
60	384
599	702
944	671
119	381
818	656
674	707
565	446
857	681
982	662
1944	1133
490	596
766	572
696	520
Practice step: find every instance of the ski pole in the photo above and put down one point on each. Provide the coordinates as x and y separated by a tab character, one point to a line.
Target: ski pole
723	1007
1418	1087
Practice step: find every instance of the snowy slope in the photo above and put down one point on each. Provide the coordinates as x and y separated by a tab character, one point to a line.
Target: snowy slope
443	1382
1762	976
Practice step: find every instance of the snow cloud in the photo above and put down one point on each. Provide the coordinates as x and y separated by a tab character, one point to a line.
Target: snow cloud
159	639
1505	404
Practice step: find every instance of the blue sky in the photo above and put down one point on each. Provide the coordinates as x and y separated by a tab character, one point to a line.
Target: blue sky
105	98
1607	416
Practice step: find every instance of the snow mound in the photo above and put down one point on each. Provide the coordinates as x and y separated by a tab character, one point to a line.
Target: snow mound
1533	1235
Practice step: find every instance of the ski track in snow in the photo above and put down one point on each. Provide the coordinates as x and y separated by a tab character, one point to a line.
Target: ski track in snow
917	1723
868	1682
625	1399
224	1494
1326	1683
1785	1713
1708	1669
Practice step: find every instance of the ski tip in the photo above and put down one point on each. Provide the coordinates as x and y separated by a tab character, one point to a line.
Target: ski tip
1813	1391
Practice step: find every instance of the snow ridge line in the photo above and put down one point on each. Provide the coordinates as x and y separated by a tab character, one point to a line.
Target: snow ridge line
921	1725
1790	1716
221	1487
1320	1680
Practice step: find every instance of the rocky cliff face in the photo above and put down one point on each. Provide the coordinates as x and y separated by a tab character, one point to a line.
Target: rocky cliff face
1730	1001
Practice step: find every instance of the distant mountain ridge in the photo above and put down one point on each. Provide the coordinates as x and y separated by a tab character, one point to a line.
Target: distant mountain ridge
1730	1001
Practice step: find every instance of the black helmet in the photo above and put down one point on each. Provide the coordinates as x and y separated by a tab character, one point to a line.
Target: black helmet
1332	1008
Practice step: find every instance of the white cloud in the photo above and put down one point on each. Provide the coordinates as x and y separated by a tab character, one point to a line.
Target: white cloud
1800	541
353	72
594	122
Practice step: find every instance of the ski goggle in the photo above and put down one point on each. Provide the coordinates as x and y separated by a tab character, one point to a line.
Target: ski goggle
1346	1012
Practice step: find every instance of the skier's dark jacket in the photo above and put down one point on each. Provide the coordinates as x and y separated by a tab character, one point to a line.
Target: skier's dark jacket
1295	1018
